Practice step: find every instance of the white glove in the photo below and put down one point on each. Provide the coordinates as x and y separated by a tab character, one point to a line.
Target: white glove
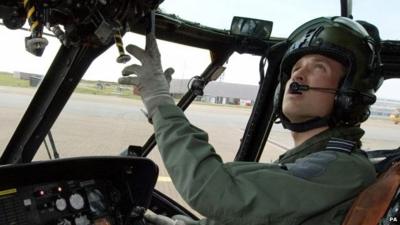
151	81
163	220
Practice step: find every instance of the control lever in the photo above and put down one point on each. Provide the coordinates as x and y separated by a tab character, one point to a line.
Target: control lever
122	58
150	27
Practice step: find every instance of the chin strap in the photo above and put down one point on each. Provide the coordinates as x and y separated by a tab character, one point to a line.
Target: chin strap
304	126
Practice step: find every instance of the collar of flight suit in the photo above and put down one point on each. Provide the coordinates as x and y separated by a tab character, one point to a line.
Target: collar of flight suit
319	142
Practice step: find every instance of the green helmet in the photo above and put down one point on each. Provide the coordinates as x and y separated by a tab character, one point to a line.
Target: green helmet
349	43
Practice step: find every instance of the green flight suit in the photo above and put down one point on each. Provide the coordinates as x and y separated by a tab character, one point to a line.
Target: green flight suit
307	185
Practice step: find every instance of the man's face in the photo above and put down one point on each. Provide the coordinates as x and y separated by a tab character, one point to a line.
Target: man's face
315	71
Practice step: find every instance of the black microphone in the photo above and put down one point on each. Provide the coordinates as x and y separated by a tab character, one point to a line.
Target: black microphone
296	88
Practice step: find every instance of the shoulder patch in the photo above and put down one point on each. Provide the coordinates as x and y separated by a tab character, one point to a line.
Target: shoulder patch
313	165
341	145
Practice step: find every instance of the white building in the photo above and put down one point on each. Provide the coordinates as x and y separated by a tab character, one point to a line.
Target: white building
219	92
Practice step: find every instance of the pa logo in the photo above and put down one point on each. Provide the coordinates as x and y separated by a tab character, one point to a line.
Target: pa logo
393	219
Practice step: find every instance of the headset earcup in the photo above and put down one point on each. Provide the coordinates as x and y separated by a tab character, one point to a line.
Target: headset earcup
342	108
351	108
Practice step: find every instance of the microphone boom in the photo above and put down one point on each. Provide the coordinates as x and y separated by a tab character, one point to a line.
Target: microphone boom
297	88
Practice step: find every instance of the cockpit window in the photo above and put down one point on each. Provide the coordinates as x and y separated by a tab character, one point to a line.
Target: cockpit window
20	75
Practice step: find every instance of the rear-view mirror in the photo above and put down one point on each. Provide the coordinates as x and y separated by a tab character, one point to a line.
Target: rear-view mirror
254	28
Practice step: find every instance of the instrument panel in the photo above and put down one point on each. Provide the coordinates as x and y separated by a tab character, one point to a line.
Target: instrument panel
71	202
105	191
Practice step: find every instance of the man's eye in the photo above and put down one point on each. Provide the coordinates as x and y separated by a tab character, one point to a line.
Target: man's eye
294	69
320	66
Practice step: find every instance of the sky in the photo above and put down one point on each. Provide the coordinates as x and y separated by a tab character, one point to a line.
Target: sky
187	61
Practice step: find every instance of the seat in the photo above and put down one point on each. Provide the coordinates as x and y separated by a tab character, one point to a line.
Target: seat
380	202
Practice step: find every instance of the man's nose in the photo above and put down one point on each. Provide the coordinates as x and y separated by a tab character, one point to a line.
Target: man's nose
299	75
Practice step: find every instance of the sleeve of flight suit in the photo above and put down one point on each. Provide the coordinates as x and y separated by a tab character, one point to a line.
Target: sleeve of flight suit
247	192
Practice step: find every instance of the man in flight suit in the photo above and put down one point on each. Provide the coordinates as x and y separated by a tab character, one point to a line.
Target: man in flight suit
327	83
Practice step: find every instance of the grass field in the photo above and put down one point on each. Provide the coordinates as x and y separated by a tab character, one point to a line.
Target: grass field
86	87
7	79
94	88
103	88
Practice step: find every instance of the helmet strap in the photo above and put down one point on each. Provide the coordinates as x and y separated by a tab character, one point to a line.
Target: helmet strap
305	126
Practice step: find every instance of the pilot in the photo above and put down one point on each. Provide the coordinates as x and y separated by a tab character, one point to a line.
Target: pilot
328	77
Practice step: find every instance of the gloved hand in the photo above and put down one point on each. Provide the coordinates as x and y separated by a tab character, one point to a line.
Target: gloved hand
151	81
163	220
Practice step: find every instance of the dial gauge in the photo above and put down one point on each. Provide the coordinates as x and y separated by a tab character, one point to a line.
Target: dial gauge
76	201
61	204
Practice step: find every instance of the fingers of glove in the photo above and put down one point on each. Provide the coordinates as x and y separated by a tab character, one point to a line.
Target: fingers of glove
151	46
168	74
129	81
137	52
132	69
158	219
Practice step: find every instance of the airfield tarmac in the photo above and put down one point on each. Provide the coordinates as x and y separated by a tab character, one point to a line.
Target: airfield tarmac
106	125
